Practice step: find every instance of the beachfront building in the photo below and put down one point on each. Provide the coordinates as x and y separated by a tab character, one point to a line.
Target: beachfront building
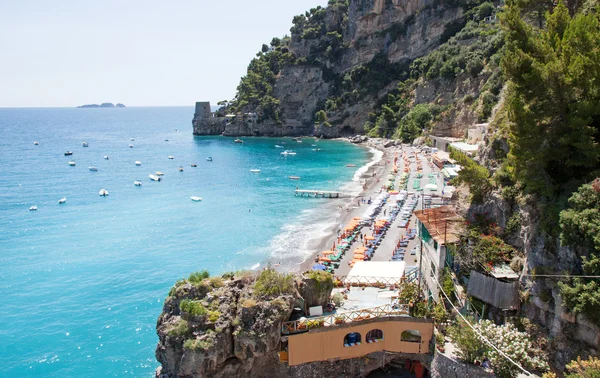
437	228
442	142
467	149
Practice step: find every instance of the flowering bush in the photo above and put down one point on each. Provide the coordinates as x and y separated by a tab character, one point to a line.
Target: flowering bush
513	343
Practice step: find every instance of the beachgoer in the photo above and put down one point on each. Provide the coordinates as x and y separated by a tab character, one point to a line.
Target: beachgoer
486	364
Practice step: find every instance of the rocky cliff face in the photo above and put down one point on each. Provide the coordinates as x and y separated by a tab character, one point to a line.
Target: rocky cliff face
352	36
570	335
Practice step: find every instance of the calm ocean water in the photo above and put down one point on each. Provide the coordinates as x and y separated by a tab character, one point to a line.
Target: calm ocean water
83	283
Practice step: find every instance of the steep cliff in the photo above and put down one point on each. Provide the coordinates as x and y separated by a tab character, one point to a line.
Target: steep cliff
344	60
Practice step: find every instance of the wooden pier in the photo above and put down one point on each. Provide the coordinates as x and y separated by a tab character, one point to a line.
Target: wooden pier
318	193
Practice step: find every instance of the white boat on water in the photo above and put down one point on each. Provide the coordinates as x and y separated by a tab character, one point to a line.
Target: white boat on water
36	144
137	162
33	208
103	192
209	158
105	157
62	200
291	153
255	170
278	146
159	173
180	169
285	153
171	157
85	144
314	145
196	199
93	169
132	139
137	183
294	177
238	141
131	146
72	163
154	178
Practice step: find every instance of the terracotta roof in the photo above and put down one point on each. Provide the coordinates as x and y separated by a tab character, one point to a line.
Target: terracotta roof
442	223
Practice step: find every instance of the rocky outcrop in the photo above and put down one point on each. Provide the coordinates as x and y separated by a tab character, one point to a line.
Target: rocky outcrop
401	30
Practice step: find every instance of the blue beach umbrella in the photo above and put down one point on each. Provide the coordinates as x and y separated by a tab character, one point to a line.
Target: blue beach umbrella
319	267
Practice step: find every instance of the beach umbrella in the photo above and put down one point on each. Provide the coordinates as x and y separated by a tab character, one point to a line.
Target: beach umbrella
328	253
369	238
319	267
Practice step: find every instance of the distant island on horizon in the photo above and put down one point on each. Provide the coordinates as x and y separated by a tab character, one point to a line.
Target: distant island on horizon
103	105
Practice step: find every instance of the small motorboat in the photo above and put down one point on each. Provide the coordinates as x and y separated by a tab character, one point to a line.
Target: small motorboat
159	173
316	149
350	165
105	157
285	153
62	200
35	144
196	199
72	163
209	158
68	153
294	177
103	192
154	178
131	146
255	170
137	183
278	146
33	208
137	162
180	169
194	165
313	145
291	153
85	144
298	140
93	169
166	140
171	157
132	139
238	141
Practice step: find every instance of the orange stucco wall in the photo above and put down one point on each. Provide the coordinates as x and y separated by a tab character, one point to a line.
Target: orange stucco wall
328	343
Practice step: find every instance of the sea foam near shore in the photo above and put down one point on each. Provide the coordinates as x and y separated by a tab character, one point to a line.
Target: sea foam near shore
300	239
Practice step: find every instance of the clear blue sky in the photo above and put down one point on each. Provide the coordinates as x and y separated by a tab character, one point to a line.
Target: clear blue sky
140	53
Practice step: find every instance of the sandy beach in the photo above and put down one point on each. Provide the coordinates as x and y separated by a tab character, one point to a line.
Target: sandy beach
373	180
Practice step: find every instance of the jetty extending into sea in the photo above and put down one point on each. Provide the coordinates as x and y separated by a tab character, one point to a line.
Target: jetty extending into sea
319	193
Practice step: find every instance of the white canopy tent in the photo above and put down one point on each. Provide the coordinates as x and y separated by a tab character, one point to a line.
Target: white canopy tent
365	271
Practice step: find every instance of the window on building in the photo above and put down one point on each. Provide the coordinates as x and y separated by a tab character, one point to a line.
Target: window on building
374	336
352	339
411	336
432	271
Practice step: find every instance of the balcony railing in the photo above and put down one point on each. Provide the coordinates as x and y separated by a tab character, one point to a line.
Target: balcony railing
342	281
303	325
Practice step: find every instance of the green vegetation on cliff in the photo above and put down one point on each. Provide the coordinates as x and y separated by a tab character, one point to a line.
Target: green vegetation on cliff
470	56
255	91
553	99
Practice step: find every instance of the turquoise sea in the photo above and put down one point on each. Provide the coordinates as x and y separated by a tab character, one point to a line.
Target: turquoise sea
83	283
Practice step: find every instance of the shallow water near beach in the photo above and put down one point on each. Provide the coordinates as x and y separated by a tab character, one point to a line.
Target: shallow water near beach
83	282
